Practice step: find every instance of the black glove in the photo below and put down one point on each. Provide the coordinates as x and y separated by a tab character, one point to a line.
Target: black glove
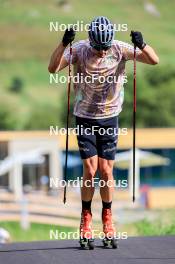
137	39
68	37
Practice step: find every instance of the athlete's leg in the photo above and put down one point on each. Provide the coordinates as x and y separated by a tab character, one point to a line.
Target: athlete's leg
106	148
88	153
106	172
106	175
90	166
87	191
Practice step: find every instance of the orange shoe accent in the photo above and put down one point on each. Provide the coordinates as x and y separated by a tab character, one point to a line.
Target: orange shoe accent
108	226
86	224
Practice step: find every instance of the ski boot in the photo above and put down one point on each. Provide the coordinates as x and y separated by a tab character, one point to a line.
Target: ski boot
109	240
86	239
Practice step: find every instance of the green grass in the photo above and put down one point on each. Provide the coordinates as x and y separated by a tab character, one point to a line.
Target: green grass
146	228
25	25
36	231
26	42
164	224
36	91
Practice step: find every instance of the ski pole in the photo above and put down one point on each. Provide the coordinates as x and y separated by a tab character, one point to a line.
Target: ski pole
67	123
134	122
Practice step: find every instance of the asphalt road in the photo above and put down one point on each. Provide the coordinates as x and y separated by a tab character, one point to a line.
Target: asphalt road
134	250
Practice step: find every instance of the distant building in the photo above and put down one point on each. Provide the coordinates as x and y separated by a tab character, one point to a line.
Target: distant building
27	158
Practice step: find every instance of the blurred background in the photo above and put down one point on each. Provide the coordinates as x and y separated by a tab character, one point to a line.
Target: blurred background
29	105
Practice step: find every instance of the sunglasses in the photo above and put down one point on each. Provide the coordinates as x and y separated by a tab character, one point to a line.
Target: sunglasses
101	48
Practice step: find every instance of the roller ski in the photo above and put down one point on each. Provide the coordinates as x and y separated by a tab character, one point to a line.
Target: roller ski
109	241
86	238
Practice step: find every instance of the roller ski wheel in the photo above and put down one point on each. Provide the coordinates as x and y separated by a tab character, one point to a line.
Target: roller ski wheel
110	243
86	239
86	243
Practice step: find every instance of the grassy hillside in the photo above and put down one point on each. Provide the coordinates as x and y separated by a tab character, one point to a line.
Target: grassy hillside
26	44
25	25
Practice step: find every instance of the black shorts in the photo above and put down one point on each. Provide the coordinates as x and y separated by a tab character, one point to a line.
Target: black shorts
97	137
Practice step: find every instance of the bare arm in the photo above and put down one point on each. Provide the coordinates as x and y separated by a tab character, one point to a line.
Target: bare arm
57	61
148	55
